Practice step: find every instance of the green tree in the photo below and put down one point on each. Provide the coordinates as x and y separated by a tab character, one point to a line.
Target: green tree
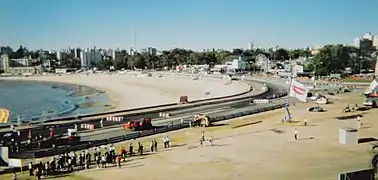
331	59
281	54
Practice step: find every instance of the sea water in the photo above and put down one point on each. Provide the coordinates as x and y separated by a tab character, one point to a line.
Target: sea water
36	101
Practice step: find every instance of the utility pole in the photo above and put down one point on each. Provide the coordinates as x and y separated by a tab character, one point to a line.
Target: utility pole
134	40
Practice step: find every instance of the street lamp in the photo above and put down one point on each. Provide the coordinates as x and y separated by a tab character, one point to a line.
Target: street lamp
315	67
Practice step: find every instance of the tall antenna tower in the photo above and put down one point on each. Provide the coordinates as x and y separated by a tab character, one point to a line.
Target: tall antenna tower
134	40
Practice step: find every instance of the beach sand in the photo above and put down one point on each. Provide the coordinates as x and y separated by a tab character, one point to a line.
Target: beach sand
128	91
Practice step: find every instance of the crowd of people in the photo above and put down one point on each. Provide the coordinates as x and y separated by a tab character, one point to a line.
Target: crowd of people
99	157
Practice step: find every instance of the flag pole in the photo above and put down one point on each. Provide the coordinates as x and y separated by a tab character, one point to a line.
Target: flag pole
287	105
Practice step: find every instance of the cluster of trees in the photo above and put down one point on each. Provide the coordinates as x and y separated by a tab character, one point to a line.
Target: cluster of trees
338	58
329	59
171	58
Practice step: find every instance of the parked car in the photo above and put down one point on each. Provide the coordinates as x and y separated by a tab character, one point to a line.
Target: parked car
316	109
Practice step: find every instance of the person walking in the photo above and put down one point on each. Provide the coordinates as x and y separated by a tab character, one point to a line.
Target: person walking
211	140
305	122
118	160
202	137
296	134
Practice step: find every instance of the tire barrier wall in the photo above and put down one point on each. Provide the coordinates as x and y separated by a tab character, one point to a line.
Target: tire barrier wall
135	135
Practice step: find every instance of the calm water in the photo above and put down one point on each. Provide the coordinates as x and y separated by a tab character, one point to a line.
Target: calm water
30	100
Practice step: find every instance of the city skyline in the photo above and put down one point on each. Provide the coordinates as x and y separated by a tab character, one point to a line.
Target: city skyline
194	24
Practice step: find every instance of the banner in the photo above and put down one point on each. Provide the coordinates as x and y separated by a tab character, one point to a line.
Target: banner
298	90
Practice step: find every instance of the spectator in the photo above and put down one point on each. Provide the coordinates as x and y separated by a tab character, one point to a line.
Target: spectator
31	169
156	145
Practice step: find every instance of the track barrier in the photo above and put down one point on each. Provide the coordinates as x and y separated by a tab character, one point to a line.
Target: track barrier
262	101
114	118
87	126
164	115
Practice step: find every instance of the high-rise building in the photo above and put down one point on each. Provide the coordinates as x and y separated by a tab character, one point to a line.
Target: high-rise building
250	46
83	59
89	56
375	42
151	51
4	62
113	54
365	42
58	55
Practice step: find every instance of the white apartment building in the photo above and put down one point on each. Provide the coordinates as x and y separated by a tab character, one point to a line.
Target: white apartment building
367	36
88	56
4	62
375	41
250	46
58	55
21	62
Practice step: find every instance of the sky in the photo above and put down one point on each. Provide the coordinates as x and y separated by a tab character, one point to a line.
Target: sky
193	24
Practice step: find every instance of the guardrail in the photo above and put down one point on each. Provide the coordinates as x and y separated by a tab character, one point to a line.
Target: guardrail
139	134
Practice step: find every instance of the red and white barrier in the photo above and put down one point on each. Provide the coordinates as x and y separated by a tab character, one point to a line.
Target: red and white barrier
164	115
87	126
113	118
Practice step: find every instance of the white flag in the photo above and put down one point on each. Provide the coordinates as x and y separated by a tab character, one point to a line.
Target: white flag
373	85
298	90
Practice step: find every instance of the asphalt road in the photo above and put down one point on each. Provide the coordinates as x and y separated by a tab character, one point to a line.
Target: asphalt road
114	132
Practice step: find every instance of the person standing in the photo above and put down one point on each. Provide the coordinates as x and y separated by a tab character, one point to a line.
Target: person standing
31	169
167	141
152	146
102	123
211	140
14	176
359	122
156	145
140	148
131	149
164	142
123	153
296	134
305	122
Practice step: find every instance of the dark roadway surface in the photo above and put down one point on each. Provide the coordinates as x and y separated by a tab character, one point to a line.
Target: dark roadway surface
114	132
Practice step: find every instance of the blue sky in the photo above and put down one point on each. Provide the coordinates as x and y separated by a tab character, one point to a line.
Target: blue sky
195	24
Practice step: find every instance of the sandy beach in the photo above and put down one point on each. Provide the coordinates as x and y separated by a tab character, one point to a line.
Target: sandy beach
129	91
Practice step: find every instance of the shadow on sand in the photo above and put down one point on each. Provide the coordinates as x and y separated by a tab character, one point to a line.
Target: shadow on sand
247	124
349	117
366	140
